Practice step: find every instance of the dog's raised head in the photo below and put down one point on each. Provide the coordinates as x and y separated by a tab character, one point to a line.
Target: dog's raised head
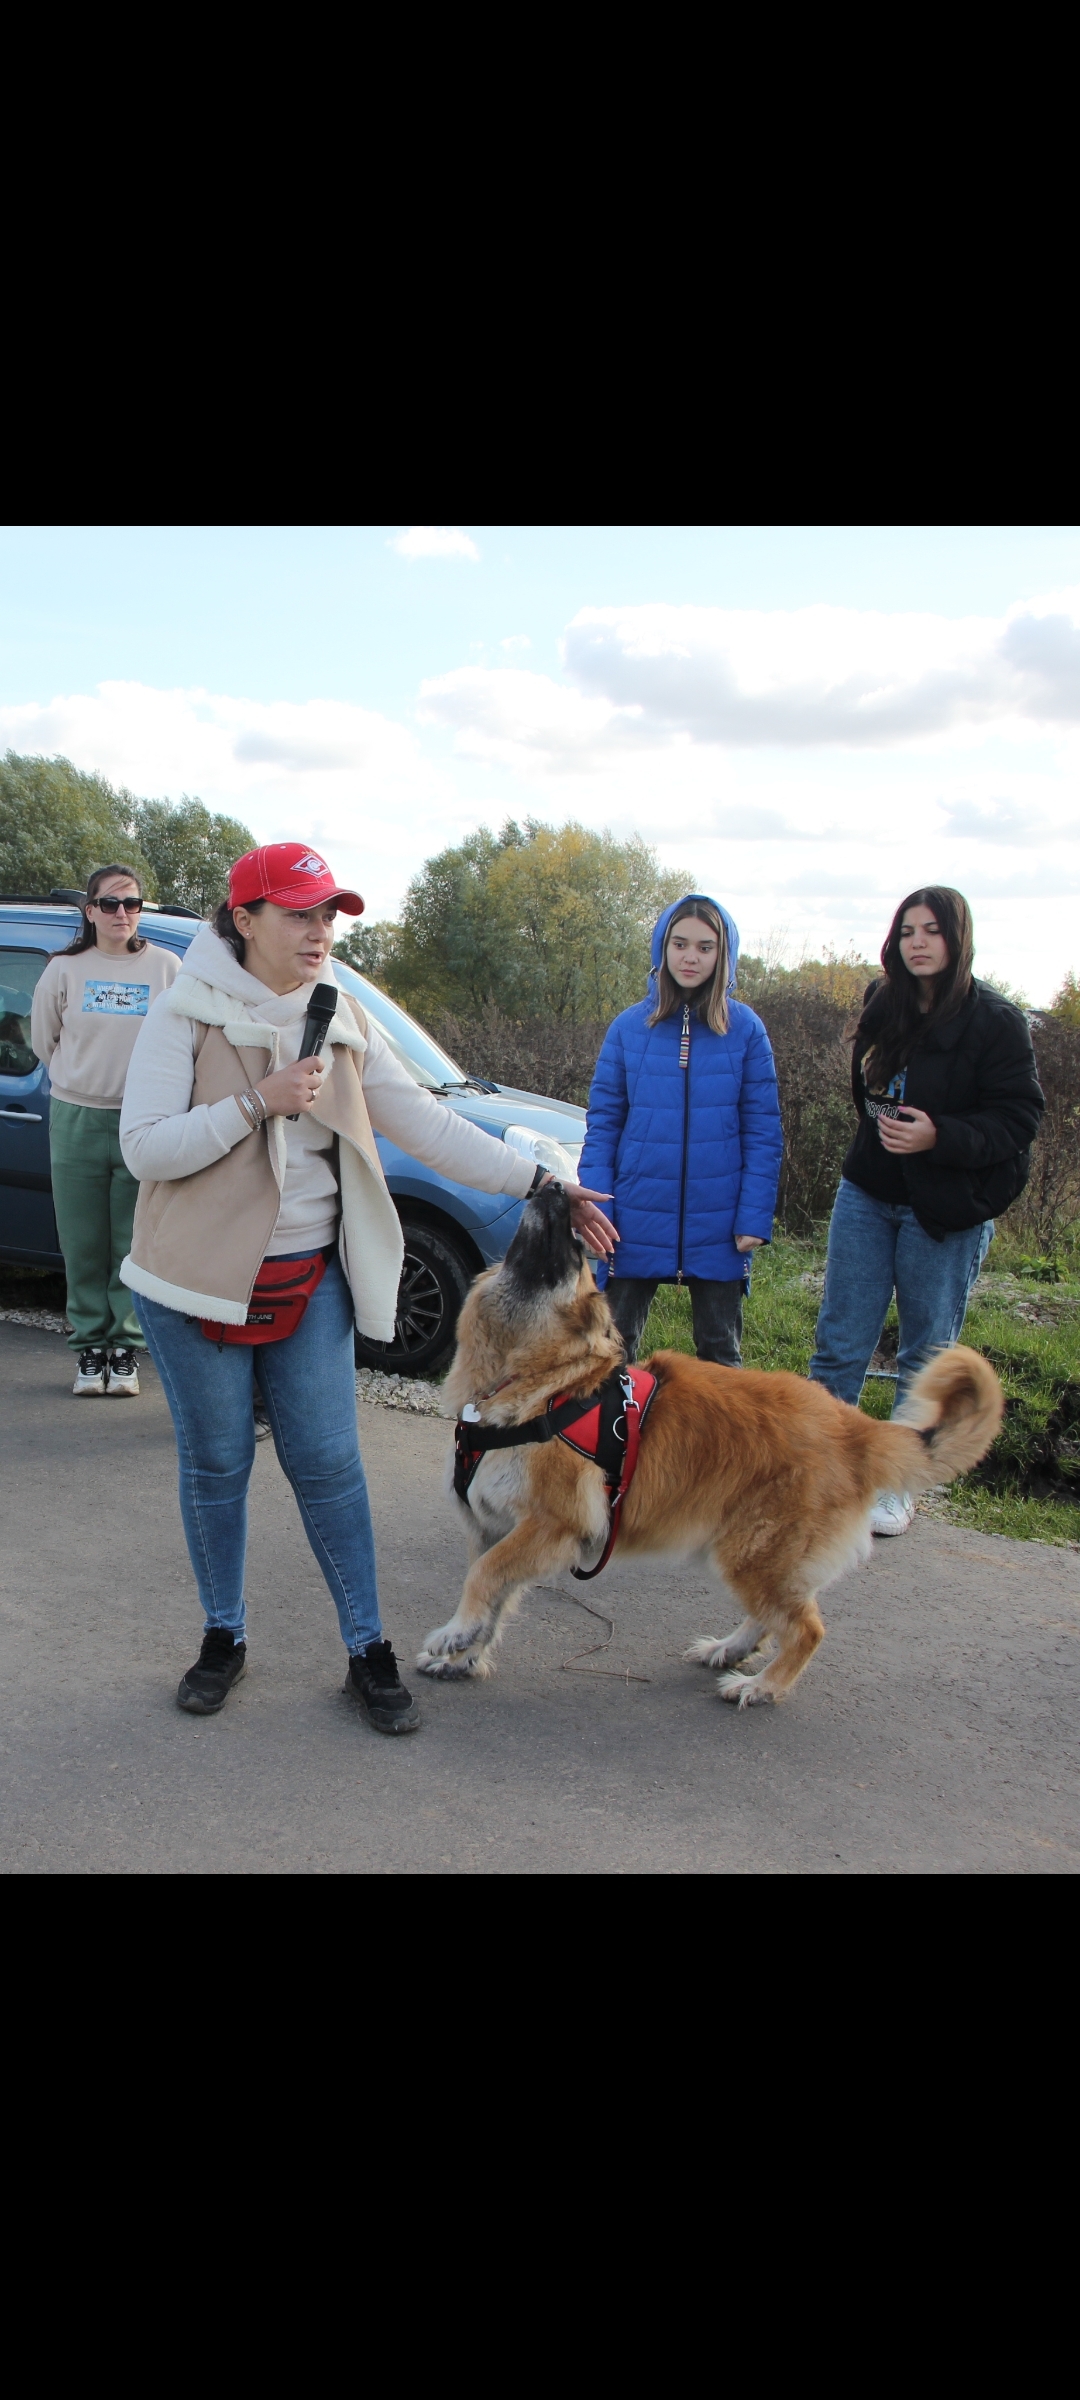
536	1324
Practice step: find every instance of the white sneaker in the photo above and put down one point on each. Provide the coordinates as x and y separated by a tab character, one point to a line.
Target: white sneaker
123	1375
93	1373
893	1512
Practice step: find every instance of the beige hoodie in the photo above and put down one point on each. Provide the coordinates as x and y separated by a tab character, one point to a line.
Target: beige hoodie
86	1016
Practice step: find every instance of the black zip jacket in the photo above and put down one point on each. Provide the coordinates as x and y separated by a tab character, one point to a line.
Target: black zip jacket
975	1077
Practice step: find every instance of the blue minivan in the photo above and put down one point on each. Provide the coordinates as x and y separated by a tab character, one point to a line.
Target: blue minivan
451	1232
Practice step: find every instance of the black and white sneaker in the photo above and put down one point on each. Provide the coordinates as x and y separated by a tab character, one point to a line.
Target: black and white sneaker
374	1680
123	1375
93	1373
206	1686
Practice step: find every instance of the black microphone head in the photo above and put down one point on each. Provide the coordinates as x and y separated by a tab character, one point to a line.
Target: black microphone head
323	1002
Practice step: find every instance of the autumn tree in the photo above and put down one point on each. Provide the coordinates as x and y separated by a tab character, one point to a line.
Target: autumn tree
538	921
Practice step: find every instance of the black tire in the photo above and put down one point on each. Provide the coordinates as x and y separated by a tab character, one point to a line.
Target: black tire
434	1280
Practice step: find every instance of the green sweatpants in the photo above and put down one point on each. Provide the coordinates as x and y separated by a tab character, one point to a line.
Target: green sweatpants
94	1198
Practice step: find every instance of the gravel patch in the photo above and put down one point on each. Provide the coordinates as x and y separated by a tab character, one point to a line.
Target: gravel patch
399	1391
46	1320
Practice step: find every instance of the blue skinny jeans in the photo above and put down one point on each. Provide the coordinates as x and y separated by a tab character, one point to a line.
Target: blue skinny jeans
309	1387
877	1247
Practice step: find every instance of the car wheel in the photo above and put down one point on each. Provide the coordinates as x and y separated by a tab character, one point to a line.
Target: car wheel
434	1280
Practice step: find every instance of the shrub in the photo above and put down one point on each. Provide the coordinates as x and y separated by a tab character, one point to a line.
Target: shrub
1051	1201
541	1054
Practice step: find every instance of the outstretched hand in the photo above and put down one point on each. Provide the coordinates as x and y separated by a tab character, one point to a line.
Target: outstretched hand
589	1221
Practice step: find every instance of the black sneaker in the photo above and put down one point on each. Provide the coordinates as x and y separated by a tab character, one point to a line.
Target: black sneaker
123	1380
93	1374
374	1679
220	1663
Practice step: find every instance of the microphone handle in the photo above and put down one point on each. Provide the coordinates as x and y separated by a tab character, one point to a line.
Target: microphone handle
314	1036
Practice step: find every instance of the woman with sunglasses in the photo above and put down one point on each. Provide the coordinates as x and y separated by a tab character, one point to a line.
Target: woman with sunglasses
88	1007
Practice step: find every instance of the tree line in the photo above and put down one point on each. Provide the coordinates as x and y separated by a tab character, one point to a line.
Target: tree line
58	822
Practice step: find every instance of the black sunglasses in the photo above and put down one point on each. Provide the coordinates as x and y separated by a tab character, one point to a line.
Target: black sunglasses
109	902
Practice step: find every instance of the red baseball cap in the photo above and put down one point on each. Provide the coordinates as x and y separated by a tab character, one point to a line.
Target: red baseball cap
290	875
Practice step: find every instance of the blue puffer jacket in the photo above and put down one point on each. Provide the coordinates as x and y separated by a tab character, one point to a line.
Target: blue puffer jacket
692	1156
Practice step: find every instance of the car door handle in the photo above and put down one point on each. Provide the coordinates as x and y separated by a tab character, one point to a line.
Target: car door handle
22	1116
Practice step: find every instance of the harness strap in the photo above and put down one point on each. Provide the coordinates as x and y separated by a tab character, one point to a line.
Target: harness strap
471	1440
611	1442
638	1392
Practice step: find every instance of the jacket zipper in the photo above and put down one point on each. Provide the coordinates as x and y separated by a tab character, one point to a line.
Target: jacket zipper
684	1062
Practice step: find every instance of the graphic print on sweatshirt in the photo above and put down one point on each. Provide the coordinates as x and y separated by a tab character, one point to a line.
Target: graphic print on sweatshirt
115	999
886	1103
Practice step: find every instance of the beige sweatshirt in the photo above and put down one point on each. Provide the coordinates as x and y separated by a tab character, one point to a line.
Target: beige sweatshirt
86	1017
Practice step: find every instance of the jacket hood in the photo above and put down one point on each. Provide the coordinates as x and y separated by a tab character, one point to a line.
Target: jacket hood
212	961
660	933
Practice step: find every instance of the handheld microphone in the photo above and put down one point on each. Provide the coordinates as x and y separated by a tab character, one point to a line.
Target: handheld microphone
321	1009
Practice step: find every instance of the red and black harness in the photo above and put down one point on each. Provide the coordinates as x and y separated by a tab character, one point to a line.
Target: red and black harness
605	1428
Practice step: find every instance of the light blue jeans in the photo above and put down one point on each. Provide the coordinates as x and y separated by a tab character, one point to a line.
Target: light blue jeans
877	1247
309	1386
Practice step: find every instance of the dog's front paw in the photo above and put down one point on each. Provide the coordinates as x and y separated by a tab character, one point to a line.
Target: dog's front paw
448	1670
448	1640
451	1652
744	1690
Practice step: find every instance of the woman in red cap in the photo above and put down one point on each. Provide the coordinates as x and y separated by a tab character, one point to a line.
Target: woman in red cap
264	1231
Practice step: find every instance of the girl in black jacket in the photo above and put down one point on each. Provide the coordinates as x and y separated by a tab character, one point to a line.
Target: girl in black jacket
943	1080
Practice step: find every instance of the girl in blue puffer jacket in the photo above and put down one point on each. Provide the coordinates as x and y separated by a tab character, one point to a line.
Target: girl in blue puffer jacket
684	1132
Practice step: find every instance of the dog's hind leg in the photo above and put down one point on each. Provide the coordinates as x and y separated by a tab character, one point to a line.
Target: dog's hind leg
492	1588
794	1620
708	1652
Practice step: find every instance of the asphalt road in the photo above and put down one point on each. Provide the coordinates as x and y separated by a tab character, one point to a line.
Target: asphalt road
935	1732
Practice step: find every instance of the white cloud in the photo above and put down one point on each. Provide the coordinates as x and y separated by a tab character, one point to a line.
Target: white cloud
520	720
433	541
641	678
515	641
1014	824
817	675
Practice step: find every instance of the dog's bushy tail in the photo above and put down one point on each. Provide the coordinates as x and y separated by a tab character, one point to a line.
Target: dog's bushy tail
947	1423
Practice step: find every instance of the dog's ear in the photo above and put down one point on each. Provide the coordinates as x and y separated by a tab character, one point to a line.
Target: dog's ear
592	1313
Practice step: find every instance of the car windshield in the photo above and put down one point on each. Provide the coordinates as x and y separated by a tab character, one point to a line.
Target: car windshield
414	1049
19	971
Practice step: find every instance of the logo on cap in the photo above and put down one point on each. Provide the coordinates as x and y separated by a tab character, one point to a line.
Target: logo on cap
311	865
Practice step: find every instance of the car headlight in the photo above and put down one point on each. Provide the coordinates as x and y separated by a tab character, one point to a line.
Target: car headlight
560	1158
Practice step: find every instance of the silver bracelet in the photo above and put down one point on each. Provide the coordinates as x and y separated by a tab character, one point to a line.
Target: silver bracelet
253	1107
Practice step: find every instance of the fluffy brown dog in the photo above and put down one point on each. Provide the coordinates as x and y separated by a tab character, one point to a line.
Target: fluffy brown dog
768	1476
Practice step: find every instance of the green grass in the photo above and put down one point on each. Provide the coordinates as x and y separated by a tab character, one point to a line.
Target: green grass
1026	1325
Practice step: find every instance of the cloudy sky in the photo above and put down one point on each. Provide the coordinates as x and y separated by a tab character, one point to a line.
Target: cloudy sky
810	721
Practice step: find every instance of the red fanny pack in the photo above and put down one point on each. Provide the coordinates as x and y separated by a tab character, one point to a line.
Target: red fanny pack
283	1287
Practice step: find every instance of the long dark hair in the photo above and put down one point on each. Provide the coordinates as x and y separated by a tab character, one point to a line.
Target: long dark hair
711	1001
898	1019
226	928
86	938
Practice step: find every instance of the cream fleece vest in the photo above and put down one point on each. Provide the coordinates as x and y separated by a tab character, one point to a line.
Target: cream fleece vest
199	1241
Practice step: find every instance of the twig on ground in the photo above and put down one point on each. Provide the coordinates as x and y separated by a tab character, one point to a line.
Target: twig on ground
568	1665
